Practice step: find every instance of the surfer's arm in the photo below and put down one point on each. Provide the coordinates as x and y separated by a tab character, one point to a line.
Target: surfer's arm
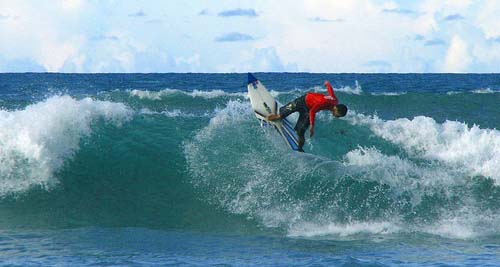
312	116
329	88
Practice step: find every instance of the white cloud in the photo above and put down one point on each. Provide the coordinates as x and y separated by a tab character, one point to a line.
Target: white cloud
458	57
54	53
487	19
261	59
95	36
71	4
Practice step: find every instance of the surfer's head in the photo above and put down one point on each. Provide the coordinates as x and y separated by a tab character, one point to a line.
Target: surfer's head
339	110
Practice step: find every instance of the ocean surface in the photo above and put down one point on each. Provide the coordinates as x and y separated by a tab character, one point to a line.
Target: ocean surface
174	169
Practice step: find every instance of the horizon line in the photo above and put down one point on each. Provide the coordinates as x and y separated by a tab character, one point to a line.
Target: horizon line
267	72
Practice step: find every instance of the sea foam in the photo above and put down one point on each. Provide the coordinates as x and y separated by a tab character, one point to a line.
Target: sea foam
452	143
158	95
36	141
484	91
343	230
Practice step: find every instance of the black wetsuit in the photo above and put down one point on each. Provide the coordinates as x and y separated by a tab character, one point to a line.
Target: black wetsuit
298	105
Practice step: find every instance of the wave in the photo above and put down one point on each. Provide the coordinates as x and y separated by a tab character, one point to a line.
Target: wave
375	177
158	95
389	93
343	230
477	91
161	94
485	91
176	113
36	140
453	143
356	90
368	190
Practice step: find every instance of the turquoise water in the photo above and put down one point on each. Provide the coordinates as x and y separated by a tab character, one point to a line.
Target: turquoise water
174	169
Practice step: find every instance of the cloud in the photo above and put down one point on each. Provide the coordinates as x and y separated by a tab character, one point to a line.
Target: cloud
204	12
71	4
419	37
458	58
494	39
94	36
137	14
378	66
453	17
401	11
153	21
188	64
238	12
6	17
487	18
105	38
434	42
320	19
258	60
234	37
21	65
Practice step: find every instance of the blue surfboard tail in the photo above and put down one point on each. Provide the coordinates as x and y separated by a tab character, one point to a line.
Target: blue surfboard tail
251	78
290	135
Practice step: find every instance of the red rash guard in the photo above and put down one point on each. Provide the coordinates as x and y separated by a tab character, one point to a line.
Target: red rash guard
316	102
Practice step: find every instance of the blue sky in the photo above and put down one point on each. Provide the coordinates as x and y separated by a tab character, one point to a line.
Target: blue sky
240	36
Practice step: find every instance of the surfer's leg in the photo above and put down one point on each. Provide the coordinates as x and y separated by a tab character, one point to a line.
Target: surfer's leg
301	127
291	107
302	140
288	109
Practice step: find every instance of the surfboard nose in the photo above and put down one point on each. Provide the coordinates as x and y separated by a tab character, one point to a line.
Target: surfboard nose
251	78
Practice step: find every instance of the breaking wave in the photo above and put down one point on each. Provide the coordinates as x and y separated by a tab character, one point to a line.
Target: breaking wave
415	177
37	140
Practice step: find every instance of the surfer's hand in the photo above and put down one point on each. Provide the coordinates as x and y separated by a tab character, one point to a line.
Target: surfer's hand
311	132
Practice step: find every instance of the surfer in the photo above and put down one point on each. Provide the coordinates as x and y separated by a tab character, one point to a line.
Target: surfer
307	106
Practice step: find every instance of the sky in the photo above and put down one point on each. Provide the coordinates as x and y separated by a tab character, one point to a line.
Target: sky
328	36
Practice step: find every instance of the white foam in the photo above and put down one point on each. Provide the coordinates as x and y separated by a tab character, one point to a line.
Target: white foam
390	93
343	230
36	141
484	91
234	111
174	113
356	90
402	175
451	228
147	111
453	143
158	95
468	222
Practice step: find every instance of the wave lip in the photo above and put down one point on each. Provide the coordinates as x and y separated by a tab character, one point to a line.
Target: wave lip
36	141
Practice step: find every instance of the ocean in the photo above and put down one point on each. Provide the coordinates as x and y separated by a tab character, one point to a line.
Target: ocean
175	170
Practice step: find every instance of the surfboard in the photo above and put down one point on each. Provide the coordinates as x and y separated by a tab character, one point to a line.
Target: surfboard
264	104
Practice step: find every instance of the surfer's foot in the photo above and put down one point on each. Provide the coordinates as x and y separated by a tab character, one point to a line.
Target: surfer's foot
300	150
273	117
